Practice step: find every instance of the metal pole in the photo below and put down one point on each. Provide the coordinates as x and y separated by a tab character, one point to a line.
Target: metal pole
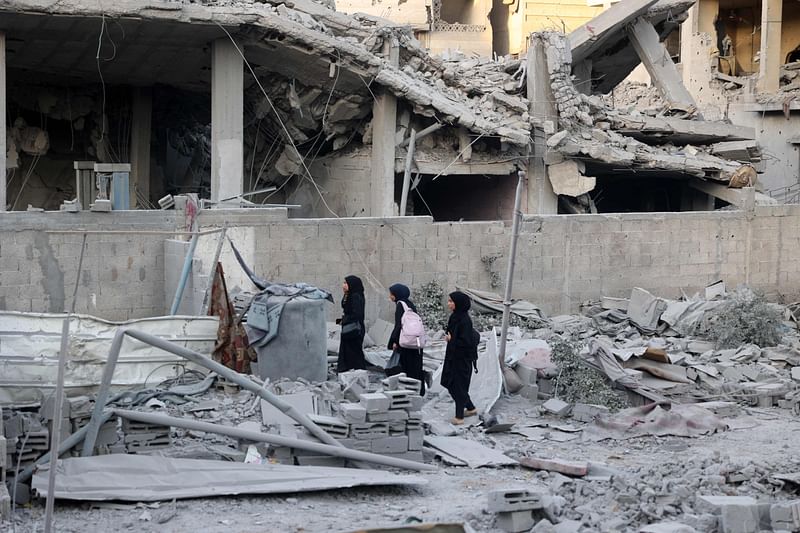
197	358
407	174
423	133
187	268
256	436
510	271
69	443
102	395
213	273
59	399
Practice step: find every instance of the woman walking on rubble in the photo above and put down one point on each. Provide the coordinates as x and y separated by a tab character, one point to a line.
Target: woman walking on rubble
351	344
460	355
410	358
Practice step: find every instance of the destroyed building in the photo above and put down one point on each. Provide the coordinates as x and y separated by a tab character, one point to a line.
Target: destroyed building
182	174
334	138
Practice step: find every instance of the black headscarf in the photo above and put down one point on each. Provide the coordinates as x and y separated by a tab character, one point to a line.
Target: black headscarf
354	284
401	292
462	301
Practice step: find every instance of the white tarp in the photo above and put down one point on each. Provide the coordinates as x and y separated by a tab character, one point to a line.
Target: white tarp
484	388
30	344
142	478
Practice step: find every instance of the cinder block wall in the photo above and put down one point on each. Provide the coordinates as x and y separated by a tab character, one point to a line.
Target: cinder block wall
122	275
562	261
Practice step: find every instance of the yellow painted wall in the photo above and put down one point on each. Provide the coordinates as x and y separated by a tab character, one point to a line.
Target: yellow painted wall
412	12
539	15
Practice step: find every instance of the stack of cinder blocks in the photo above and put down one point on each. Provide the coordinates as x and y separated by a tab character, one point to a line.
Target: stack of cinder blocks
515	507
142	437
388	422
26	439
529	377
80	412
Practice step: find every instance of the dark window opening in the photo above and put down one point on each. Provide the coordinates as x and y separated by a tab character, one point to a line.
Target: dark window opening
461	197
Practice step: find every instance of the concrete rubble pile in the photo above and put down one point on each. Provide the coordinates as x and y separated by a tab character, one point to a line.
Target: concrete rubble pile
656	348
589	128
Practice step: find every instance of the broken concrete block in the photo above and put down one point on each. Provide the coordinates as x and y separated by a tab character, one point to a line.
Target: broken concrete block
399	399
416	438
570	468
567	526
390	445
375	402
740	519
667	527
527	373
48	407
353	413
567	179
585	412
515	521
516	499
796	373
331	425
556	139
713	504
530	392
785	516
543	526
556	407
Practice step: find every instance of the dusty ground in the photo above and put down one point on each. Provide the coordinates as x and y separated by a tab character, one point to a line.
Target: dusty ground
675	468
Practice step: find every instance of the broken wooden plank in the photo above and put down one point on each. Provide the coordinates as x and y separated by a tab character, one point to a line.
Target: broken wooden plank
590	36
659	65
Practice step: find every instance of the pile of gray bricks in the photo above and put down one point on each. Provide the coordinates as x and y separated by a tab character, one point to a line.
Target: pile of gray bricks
516	507
141	437
387	422
26	439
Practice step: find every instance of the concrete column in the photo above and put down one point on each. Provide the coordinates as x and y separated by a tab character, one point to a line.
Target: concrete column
3	147
227	121
658	63
541	198
770	59
141	130
384	124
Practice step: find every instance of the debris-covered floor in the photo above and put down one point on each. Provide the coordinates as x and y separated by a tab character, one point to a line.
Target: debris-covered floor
641	414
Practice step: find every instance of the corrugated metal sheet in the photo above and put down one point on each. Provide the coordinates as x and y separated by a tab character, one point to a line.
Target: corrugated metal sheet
30	343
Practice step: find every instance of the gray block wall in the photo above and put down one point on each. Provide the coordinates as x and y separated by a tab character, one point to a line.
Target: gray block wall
563	260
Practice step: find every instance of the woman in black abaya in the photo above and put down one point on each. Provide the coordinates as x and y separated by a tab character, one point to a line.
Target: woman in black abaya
410	358
351	345
461	352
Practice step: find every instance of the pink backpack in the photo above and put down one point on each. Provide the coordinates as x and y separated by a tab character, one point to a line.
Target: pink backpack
412	330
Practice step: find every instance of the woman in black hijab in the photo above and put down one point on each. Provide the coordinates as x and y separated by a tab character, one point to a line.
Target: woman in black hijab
410	358
351	344
462	351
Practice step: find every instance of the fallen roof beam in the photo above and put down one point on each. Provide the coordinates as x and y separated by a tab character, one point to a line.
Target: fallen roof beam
744	151
745	198
659	65
680	131
590	36
442	168
278	440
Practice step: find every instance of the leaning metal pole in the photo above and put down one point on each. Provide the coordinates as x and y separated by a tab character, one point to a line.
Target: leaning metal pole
197	358
278	440
510	271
